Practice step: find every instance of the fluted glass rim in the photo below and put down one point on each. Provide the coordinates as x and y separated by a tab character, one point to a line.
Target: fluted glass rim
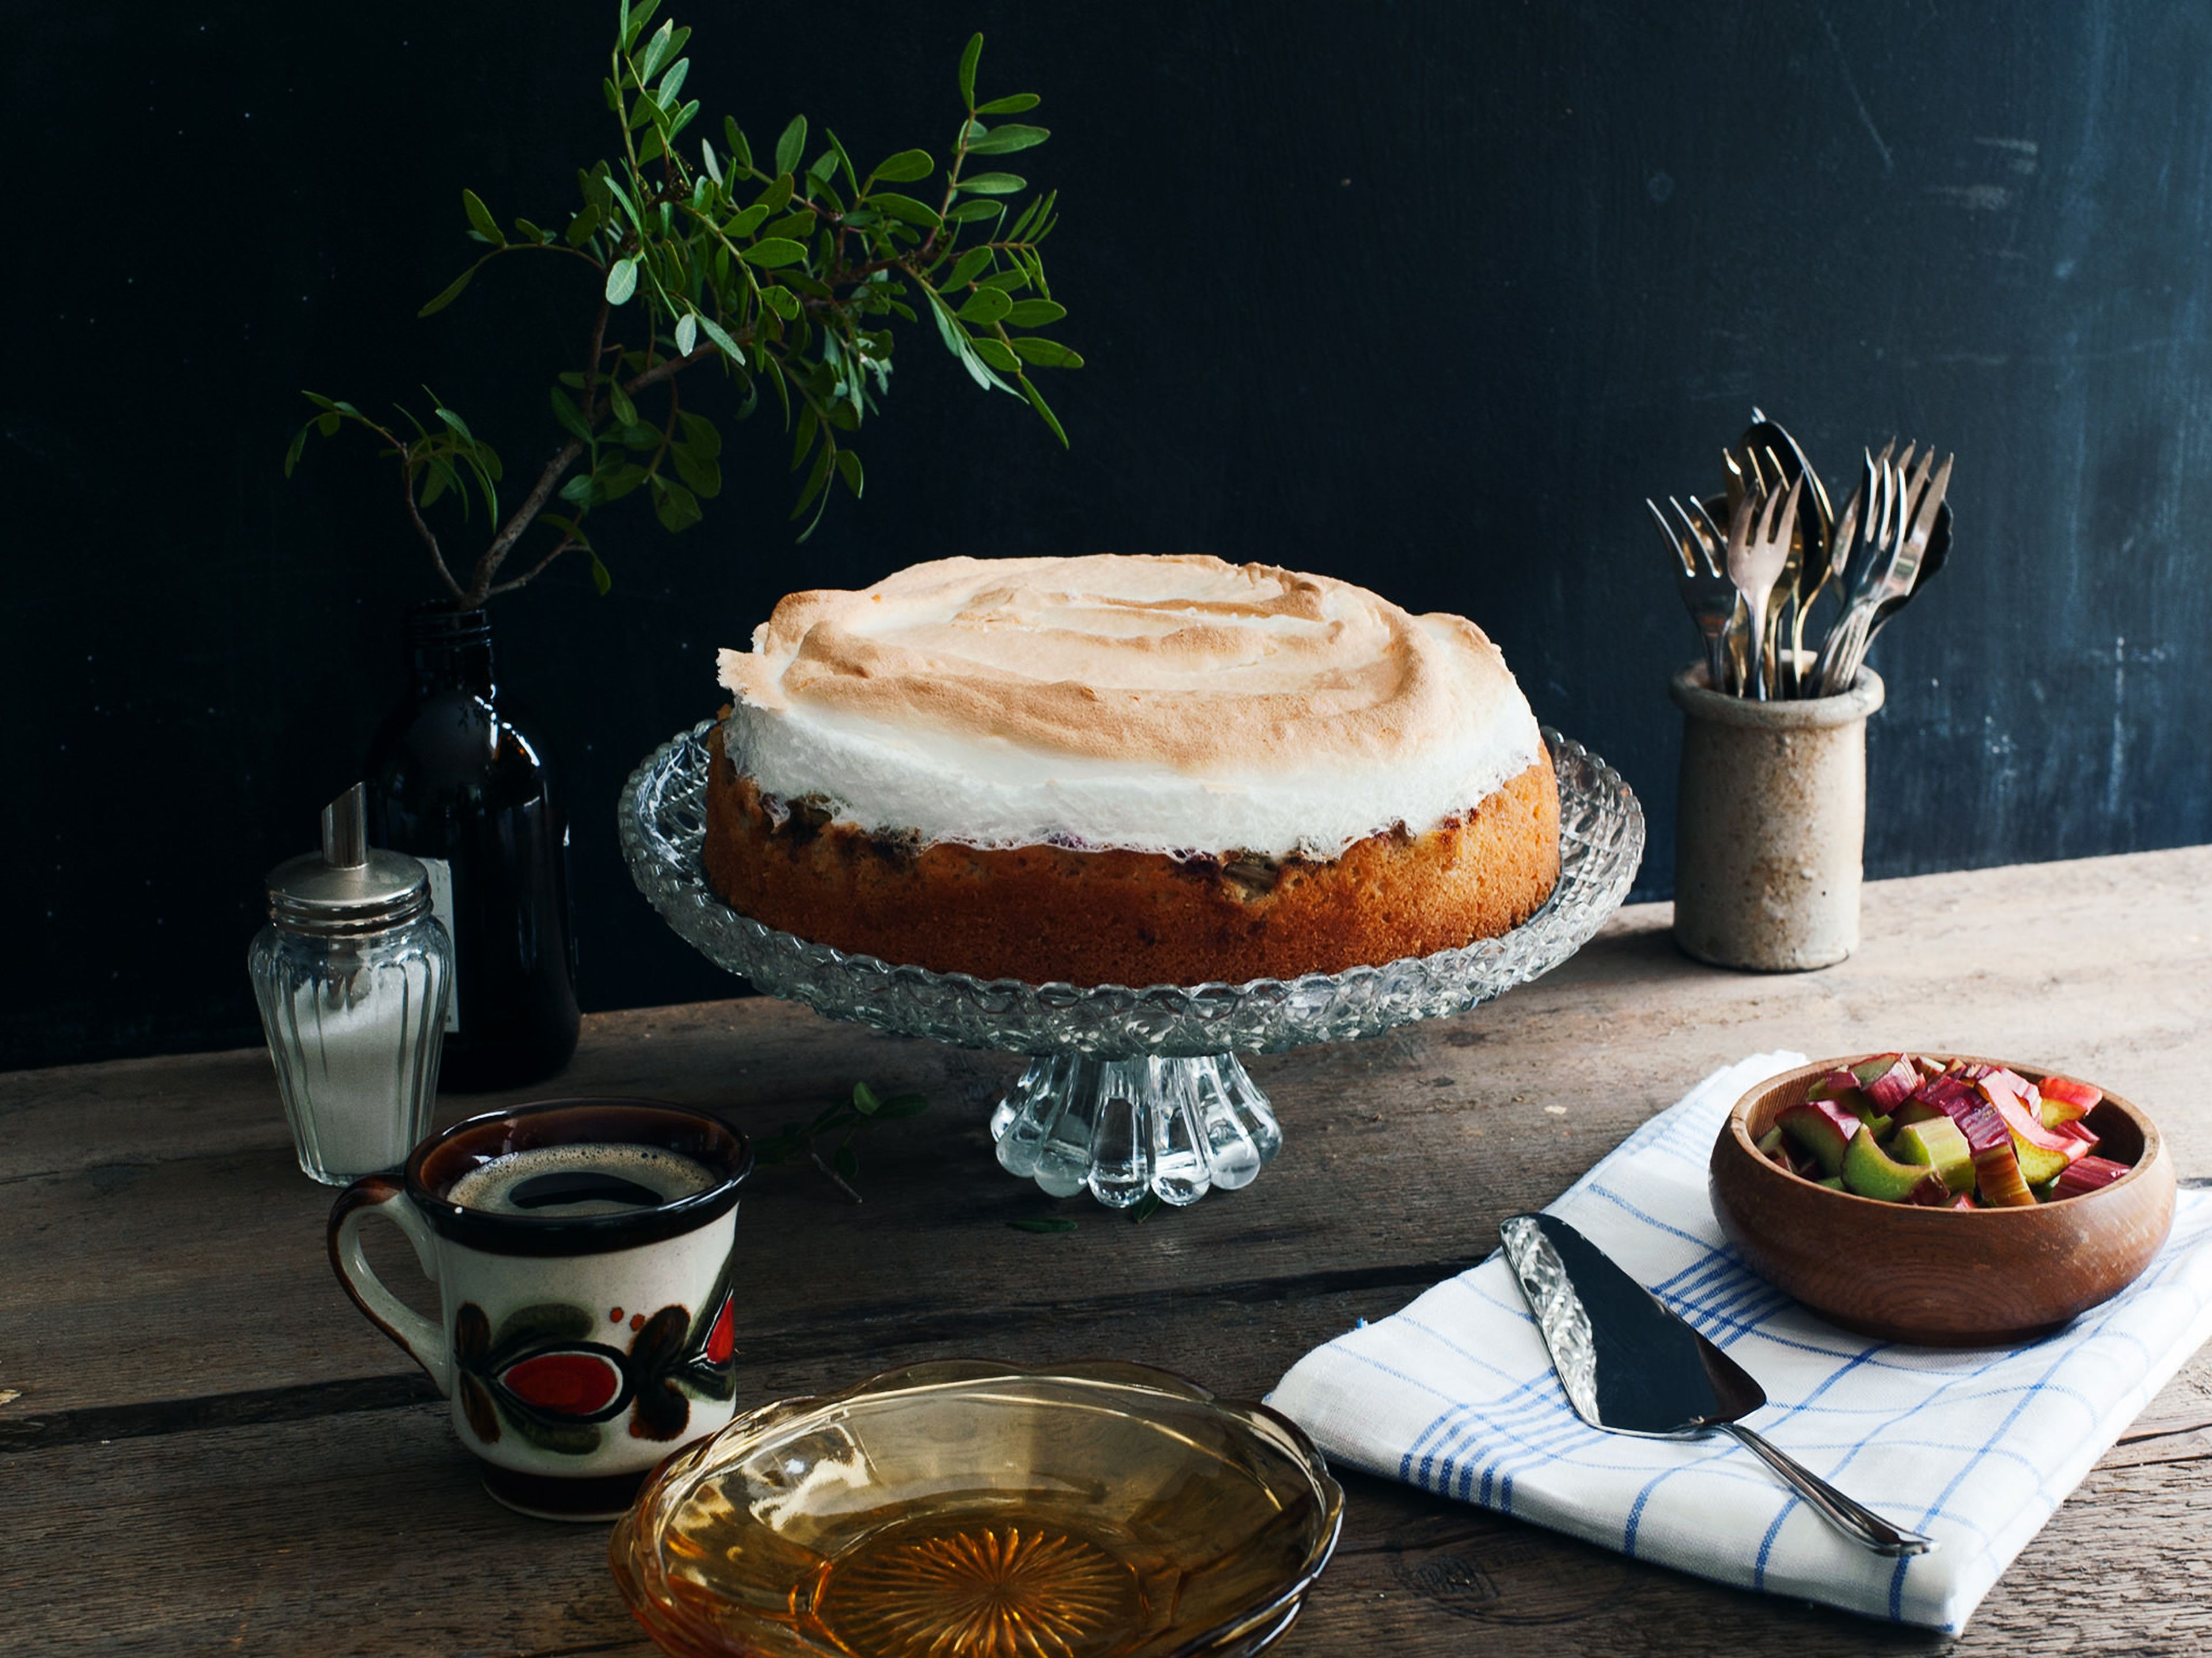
661	816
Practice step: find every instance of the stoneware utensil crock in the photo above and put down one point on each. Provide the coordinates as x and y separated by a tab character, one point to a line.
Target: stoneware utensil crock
578	1350
1770	825
1943	1277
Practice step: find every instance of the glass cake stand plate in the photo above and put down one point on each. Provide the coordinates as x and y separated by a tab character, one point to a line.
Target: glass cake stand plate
1130	1090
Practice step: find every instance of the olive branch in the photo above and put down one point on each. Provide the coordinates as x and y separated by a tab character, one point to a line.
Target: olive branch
784	276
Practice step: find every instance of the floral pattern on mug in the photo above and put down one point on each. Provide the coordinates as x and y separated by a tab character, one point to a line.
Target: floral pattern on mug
541	1373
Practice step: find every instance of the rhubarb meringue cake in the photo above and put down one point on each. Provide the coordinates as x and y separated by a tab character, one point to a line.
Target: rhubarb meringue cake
1126	770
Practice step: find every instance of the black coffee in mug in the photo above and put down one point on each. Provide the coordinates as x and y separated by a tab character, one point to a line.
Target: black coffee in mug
581	1179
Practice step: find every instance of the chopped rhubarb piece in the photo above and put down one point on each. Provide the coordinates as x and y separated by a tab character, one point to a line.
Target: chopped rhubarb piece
1964	1200
1939	1145
1817	1132
1893	1086
2037	1166
2080	1131
2023	1122
1836	1082
1998	1173
1833	1182
1913	1111
2087	1174
1770	1141
1949	1095
2085	1095
1873	1173
1985	1130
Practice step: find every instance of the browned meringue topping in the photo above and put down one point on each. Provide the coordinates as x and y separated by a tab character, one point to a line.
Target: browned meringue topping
1185	662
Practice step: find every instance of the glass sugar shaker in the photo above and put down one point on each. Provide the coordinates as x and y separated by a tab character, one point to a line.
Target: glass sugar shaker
352	975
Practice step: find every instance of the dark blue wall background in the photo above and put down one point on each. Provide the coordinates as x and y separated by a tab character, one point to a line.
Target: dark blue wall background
1425	296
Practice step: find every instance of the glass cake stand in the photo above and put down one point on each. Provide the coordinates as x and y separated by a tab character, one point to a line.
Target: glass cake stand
1130	1090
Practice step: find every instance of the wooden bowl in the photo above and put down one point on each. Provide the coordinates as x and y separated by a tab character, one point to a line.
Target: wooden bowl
1943	1277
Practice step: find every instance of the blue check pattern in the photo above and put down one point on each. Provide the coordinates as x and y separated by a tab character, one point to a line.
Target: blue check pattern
1457	1394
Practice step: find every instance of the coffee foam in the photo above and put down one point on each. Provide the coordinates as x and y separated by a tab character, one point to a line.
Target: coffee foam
1169	705
669	1175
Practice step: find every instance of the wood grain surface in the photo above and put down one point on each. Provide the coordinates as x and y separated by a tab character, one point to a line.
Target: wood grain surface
203	1447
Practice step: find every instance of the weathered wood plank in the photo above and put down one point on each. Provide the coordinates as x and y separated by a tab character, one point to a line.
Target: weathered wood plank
1403	1151
242	1481
282	1538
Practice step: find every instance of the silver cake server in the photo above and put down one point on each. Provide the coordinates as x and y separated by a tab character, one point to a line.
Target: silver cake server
1629	1366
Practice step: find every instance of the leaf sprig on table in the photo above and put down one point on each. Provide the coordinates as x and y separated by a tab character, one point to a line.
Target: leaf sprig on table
795	1139
781	271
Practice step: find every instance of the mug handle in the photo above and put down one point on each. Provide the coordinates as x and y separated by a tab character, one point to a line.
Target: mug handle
374	1195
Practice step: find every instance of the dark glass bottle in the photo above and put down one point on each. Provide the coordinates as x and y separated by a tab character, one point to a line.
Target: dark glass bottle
451	781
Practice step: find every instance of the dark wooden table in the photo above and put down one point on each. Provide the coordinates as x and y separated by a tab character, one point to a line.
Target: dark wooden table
203	1447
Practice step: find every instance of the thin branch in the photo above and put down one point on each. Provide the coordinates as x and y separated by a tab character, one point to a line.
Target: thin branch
560	547
437	554
487	565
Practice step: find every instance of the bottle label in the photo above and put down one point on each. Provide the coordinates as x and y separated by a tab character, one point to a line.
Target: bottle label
441	905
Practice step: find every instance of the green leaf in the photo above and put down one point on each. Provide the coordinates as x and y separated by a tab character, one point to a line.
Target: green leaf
1010	105
707	158
672	82
791	146
777	196
452	420
292	454
640	15
1145	1208
774	250
620	479
985	307
998	354
579	491
746	222
809	424
782	301
687	334
569	526
864	1100
581	227
452	292
441	477
815	480
906	165
1037	403
824	168
972	263
684	117
849	468
993	184
622	280
1046	354
968	57
601	578
1013	280
967	212
701	435
676	507
657	51
902	1105
1036	314
705	476
625	411
1041	1223
1001	141
481	220
716	333
571	419
740	148
531	232
905	207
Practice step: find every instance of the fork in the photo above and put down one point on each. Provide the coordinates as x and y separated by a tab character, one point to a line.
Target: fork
1906	515
1760	537
1707	592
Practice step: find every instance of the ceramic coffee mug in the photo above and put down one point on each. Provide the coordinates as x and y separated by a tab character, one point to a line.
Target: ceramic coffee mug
587	1322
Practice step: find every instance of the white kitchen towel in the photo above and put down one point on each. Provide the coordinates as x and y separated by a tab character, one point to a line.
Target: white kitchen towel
1457	1394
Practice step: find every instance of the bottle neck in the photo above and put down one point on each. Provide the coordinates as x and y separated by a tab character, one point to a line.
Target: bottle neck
449	650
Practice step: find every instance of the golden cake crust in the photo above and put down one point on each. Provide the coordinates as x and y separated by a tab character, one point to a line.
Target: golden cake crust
1043	913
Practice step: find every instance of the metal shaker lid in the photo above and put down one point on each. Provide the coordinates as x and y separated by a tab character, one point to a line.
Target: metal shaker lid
349	889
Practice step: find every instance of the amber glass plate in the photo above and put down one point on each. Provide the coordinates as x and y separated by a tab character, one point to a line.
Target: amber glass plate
969	1510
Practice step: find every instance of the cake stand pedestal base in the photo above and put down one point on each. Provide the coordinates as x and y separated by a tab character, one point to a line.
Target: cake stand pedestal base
1177	1128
